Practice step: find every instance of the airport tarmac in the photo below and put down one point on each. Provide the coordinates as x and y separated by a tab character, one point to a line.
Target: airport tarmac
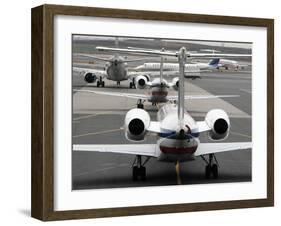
99	119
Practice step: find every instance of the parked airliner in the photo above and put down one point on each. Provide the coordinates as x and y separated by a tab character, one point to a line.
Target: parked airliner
116	69
190	68
157	89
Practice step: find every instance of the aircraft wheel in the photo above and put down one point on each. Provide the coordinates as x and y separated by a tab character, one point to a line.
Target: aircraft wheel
142	172
140	106
102	83
135	173
215	171
208	171
131	85
98	83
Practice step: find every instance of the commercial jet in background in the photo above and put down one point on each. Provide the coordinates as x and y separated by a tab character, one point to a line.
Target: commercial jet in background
192	70
157	89
189	68
178	133
116	69
224	64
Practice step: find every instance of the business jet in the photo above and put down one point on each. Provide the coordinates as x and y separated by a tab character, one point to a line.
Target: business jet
178	134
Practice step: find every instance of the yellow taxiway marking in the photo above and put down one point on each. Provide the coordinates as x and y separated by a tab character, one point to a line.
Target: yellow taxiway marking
97	133
177	166
241	134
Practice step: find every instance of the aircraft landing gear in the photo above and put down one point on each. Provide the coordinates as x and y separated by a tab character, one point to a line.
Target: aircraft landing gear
140	104
139	170
211	168
118	83
132	85
100	83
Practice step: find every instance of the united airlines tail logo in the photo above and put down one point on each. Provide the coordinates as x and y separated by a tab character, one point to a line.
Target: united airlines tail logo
214	61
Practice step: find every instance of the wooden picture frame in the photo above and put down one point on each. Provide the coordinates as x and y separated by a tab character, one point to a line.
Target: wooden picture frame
42	203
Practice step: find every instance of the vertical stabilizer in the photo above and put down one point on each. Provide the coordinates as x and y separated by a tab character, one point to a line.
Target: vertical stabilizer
116	45
182	61
161	66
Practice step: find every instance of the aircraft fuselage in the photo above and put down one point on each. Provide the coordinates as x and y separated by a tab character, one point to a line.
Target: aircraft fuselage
173	144
158	94
116	70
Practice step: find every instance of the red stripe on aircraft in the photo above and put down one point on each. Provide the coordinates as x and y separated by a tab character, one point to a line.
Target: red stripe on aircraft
159	93
178	150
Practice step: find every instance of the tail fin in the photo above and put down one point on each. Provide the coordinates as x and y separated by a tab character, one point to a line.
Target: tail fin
116	45
182	61
161	66
214	62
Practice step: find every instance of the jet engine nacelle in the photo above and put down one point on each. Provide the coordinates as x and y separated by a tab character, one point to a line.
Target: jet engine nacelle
141	81
90	77
136	123
218	121
176	83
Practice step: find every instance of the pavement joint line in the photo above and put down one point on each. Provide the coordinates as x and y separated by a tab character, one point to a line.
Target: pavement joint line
97	133
101	169
240	134
93	115
246	91
86	116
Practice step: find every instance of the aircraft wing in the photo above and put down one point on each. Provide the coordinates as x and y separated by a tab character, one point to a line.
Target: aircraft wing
202	126
220	55
138	51
201	97
128	95
211	148
94	57
154	127
131	149
167	73
134	74
81	71
171	53
134	60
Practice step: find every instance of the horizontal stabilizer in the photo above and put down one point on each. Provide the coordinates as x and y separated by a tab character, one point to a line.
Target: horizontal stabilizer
131	149
202	126
201	97
211	148
94	57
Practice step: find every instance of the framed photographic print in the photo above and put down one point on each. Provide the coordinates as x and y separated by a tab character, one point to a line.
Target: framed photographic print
141	112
